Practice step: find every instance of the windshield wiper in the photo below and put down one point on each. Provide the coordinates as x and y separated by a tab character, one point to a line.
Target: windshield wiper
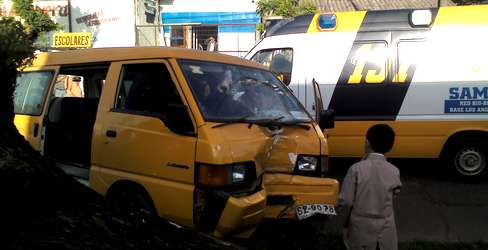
276	122
264	122
242	119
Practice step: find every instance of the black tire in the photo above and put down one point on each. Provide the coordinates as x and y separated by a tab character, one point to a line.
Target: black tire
467	158
131	208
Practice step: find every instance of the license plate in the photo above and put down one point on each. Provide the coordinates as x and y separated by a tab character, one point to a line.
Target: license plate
305	211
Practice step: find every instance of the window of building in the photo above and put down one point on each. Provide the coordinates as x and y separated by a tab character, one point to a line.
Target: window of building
178	36
205	38
279	61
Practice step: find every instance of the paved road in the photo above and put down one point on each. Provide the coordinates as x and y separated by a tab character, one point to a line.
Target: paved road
434	207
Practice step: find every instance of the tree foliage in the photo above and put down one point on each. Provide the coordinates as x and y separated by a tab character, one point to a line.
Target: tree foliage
36	21
16	48
284	8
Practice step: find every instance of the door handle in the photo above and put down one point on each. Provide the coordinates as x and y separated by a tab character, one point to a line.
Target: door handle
176	165
36	129
111	133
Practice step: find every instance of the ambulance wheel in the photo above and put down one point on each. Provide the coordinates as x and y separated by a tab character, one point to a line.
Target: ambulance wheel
467	158
132	208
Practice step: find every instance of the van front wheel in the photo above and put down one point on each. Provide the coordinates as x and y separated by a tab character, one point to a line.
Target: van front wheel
132	209
468	158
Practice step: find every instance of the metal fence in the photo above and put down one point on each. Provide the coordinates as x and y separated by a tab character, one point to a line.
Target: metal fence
232	39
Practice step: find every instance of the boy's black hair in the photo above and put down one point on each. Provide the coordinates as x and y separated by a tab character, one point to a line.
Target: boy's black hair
381	138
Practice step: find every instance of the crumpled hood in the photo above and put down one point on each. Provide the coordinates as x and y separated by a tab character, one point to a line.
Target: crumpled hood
273	150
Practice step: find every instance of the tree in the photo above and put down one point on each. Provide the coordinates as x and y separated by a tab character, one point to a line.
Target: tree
16	50
284	8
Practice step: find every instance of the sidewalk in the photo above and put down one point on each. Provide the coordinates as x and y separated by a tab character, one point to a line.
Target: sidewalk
437	210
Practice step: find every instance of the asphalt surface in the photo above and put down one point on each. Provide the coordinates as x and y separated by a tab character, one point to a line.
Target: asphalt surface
433	206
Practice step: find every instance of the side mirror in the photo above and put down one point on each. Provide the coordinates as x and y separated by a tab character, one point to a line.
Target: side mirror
327	118
178	120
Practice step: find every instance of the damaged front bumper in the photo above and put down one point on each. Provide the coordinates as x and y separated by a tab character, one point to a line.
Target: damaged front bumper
286	192
224	214
241	215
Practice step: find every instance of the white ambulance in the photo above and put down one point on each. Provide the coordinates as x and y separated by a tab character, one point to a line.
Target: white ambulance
423	72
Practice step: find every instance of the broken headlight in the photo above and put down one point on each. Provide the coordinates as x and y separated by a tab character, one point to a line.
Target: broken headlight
311	165
306	163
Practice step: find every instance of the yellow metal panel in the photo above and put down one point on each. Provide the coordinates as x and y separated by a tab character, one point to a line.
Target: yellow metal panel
462	15
304	190
240	214
140	53
414	139
240	143
346	22
145	151
178	207
26	123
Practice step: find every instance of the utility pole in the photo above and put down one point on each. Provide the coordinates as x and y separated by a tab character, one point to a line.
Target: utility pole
70	27
439	3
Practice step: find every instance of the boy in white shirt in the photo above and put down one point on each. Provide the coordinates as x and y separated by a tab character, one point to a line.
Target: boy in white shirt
366	198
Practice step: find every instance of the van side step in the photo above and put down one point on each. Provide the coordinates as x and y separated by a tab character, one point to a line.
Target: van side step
79	172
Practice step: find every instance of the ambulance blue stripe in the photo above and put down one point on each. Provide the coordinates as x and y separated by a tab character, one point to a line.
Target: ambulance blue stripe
242	21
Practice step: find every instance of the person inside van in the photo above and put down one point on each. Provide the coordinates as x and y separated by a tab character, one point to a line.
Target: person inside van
221	101
366	198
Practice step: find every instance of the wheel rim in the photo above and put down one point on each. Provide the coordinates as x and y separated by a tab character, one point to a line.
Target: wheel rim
470	161
130	211
138	216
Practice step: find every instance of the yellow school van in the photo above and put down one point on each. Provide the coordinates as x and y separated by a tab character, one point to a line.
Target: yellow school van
424	72
207	141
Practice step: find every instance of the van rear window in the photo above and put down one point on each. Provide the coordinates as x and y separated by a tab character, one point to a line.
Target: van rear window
30	92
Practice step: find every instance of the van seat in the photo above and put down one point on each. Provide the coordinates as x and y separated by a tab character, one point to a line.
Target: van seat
70	127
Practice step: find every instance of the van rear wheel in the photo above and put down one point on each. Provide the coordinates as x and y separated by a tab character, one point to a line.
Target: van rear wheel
132	209
468	158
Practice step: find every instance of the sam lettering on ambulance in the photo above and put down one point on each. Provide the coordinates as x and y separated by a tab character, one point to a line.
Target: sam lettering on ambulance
467	100
72	40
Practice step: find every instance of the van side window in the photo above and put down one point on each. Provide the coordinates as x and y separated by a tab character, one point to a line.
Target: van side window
69	86
409	53
367	63
279	61
30	92
146	88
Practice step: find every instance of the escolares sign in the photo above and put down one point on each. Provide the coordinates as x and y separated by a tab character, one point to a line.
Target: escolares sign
72	40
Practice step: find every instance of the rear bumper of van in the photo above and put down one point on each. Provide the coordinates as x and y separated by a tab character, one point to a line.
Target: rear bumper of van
286	192
241	215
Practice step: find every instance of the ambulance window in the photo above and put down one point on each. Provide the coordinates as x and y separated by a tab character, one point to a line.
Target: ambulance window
367	63
279	61
146	88
30	91
409	53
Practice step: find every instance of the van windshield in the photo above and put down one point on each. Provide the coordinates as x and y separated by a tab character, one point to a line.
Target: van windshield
227	93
